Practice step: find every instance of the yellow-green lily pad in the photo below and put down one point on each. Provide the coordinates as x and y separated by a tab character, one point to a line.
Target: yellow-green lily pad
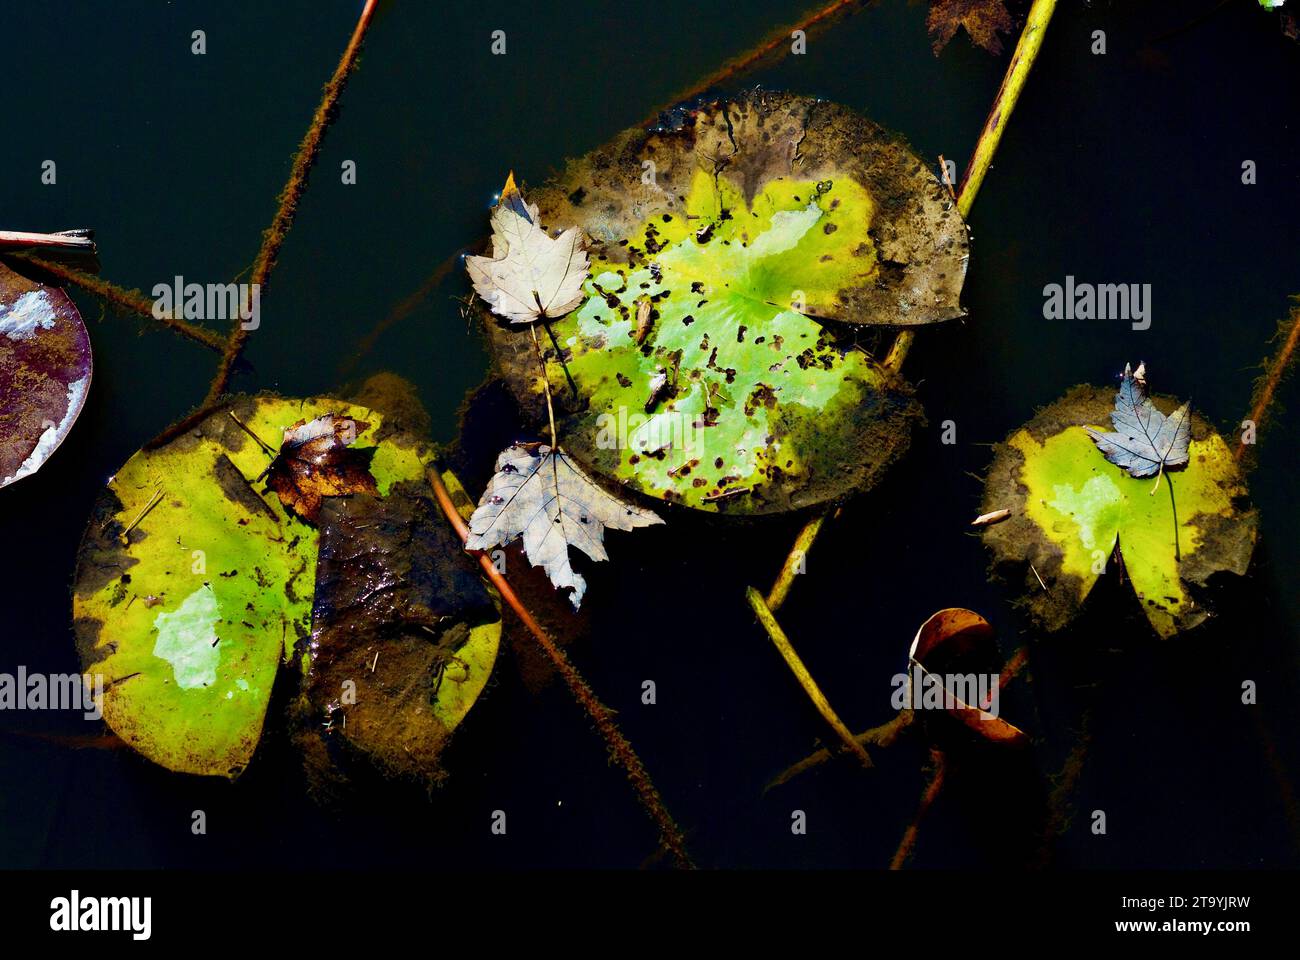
1073	514
743	266
193	585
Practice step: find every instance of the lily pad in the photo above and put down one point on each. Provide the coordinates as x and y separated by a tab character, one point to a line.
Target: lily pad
193	583
1072	512
751	242
45	370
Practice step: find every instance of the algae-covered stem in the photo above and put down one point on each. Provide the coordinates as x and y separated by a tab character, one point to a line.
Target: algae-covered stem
907	845
670	835
274	235
797	667
1022	61
1274	373
287	209
132	300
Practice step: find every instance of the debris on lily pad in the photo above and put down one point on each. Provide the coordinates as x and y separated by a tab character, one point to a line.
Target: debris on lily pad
193	585
774	238
1075	516
45	371
317	459
1144	442
404	633
539	494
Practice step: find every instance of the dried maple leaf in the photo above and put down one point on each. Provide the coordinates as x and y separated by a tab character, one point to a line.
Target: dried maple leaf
317	460
983	20
539	494
1146	442
529	274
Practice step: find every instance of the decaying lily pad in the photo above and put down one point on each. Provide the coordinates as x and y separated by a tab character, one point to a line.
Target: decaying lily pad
45	370
1072	512
404	634
718	355
193	583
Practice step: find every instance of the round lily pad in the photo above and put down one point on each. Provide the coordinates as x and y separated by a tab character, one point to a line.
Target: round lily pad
719	359
45	370
1073	514
194	584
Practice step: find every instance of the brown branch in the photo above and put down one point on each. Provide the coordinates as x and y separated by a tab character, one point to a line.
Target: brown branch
133	301
400	311
907	845
670	835
274	236
1275	371
778	40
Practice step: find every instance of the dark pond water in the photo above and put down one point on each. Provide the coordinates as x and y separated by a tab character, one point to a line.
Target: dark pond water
1117	168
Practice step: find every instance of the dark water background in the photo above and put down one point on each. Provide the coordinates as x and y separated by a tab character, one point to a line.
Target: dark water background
1117	168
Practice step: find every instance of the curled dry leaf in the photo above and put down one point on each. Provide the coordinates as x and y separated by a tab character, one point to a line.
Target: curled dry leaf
644	308
955	631
539	494
45	370
317	460
530	274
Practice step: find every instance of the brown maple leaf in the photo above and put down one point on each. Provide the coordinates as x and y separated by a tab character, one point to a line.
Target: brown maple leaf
317	460
983	20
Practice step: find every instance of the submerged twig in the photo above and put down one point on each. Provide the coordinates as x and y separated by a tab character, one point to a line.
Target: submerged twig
1022	61
777	42
804	677
1275	371
130	300
933	788
795	561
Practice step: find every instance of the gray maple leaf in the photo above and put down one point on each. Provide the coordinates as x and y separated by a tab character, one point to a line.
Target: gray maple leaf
540	494
1145	441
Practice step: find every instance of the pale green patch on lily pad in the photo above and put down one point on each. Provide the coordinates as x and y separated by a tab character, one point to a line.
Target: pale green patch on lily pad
713	358
193	584
1074	515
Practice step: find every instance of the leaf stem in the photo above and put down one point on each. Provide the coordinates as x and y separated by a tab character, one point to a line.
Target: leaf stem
1169	482
546	383
1022	61
559	355
804	677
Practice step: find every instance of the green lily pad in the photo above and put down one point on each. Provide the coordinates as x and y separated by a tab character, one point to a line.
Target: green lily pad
1072	511
193	584
760	233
